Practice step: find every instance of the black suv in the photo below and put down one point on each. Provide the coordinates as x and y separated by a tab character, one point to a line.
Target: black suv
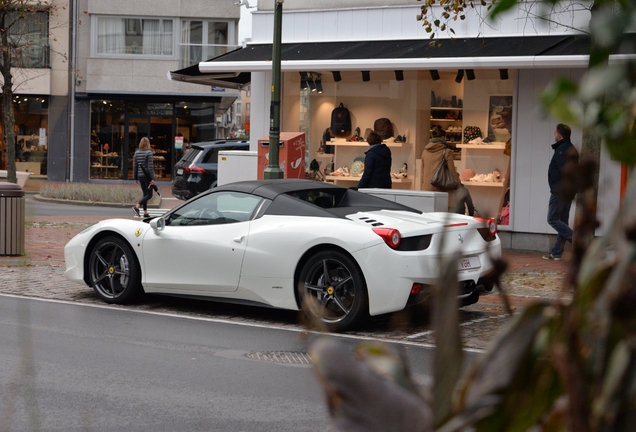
197	170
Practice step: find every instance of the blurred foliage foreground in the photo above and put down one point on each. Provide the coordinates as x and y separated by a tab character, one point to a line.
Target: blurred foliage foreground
557	366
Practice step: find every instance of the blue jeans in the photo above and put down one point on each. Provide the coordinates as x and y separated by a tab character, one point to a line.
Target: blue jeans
558	216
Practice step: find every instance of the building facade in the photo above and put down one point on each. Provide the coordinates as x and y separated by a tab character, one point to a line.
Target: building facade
374	58
123	52
40	77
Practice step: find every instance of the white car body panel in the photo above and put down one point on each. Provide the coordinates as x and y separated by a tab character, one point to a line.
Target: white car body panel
258	260
199	259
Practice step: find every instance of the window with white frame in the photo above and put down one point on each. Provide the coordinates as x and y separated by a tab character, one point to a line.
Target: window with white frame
202	40
116	36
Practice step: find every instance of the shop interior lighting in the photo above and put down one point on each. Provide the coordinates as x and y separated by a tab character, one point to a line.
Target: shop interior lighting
434	74
399	75
470	74
304	85
311	83
318	82
366	76
460	76
336	76
503	74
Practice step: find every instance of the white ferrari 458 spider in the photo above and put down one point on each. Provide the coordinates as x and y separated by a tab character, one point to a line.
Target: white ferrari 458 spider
273	242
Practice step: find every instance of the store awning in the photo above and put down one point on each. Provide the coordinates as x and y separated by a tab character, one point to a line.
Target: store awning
233	68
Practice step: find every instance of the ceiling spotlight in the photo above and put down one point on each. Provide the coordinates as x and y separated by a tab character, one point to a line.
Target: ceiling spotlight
319	84
470	74
312	84
503	74
366	76
460	76
434	74
399	75
303	81
336	76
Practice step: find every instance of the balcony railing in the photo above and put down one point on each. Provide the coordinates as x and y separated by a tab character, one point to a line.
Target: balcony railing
191	54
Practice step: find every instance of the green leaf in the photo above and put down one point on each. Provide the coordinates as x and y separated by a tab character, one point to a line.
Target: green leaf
502	6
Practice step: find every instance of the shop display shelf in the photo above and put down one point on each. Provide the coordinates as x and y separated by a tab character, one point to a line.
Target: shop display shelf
486	184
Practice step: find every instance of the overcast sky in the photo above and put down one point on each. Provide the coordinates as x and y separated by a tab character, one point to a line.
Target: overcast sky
245	23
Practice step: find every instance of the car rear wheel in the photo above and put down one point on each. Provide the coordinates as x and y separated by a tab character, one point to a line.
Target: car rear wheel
333	290
114	271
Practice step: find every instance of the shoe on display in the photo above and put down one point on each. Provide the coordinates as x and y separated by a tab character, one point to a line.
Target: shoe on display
551	257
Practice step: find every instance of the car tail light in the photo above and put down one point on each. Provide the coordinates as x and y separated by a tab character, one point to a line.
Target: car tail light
491	225
391	236
416	288
193	169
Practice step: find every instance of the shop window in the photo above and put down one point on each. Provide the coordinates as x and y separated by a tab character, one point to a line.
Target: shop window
106	141
134	36
31	133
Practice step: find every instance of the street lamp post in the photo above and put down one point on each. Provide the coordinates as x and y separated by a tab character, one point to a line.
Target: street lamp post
273	170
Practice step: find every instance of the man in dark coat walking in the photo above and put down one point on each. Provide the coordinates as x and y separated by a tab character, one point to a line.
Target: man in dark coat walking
377	164
559	206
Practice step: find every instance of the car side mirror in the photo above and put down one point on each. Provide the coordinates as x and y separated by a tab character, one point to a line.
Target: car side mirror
158	224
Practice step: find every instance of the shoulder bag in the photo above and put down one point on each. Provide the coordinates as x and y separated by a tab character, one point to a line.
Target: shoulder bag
442	177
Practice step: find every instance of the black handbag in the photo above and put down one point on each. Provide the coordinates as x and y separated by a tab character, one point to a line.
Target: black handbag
442	177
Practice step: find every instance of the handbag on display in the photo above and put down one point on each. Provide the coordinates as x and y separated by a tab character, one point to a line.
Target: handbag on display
442	177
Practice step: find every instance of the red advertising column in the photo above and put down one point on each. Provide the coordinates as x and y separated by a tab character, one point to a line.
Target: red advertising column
291	155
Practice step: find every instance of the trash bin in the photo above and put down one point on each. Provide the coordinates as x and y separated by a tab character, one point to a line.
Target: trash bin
11	219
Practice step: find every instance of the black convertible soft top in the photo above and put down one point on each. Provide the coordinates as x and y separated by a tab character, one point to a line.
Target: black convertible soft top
296	197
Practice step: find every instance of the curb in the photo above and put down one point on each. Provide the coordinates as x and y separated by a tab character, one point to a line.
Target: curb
39	197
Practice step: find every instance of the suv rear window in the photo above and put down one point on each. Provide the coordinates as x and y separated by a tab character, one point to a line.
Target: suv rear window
190	155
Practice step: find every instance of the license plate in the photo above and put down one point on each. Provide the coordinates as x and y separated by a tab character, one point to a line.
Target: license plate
469	263
179	171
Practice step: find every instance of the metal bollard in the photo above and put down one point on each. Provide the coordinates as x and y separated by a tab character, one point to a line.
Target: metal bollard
11	219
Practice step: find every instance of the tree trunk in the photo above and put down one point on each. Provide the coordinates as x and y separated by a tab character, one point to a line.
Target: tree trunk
9	129
8	120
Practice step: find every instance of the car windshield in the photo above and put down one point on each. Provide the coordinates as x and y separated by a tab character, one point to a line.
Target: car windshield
216	208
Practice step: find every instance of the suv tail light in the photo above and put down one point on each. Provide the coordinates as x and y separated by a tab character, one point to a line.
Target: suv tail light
193	169
391	236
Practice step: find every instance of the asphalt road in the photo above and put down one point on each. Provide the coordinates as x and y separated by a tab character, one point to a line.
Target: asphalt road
85	367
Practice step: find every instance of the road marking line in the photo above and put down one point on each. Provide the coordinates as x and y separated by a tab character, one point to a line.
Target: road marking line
245	324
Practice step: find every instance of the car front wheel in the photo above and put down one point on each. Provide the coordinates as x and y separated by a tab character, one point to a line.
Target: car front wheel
333	290
114	271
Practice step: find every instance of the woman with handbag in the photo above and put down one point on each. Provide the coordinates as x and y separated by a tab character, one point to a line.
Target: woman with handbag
437	153
144	174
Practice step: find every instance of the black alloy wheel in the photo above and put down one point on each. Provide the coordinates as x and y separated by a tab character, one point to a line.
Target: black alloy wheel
114	271
333	290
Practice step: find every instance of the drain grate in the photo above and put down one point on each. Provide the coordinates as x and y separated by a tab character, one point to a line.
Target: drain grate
289	357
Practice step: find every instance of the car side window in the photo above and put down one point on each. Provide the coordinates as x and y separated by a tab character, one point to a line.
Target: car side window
216	208
212	156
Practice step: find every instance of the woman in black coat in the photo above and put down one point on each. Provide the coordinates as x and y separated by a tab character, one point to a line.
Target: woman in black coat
377	164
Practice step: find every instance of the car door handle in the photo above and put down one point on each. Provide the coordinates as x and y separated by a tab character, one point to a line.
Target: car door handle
240	239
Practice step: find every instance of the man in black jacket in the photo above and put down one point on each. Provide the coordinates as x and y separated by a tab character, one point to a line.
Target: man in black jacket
559	206
377	164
